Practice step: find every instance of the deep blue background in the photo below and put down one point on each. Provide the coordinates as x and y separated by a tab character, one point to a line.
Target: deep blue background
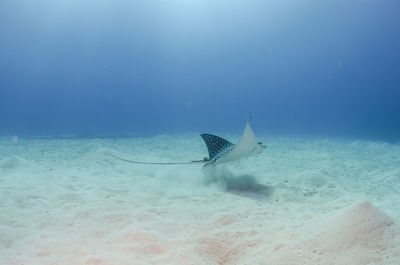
328	68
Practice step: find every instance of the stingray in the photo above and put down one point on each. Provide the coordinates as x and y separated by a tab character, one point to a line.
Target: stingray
219	150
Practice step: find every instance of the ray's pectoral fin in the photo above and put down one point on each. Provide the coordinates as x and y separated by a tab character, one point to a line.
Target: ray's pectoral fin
247	146
216	145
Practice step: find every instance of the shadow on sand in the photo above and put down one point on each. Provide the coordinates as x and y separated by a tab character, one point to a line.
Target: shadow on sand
247	186
242	185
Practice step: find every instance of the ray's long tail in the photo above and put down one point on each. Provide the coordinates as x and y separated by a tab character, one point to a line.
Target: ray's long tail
205	160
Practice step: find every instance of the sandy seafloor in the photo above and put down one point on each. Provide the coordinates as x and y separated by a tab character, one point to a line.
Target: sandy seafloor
302	201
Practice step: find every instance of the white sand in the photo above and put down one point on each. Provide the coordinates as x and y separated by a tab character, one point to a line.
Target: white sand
303	201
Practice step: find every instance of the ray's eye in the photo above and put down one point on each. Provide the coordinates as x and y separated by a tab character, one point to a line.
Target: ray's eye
263	146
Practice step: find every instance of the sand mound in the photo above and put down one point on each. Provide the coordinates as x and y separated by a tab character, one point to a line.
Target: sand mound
360	234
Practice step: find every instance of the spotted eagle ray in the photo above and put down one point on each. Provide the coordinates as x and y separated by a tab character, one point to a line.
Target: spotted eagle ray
219	150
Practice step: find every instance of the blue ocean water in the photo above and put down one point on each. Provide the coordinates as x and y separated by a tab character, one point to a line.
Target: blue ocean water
324	68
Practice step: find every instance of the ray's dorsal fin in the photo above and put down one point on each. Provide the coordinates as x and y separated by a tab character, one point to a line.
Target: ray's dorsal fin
215	144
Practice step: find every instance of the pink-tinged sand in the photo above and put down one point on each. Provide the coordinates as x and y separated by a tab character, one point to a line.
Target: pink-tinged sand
358	234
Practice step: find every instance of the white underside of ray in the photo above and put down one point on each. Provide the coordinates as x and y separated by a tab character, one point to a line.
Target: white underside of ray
246	147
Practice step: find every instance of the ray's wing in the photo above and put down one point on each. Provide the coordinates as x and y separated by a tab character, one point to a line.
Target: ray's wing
247	146
247	141
215	144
